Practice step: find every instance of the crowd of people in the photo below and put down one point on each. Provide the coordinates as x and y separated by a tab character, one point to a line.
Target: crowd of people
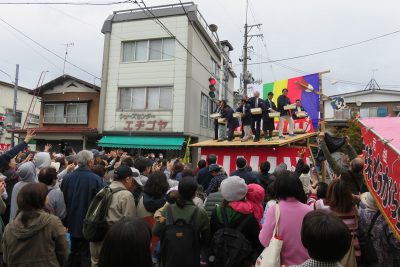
96	208
254	110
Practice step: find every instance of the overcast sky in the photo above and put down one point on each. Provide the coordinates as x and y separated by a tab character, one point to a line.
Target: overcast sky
290	28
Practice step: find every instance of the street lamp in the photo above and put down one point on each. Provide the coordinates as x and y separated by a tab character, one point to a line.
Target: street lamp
214	28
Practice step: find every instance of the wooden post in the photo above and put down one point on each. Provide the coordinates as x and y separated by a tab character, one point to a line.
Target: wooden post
322	117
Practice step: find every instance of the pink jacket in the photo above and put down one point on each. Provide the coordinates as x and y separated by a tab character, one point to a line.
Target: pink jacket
292	213
253	203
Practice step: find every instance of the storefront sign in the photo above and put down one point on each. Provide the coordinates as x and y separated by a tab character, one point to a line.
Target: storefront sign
382	175
144	122
254	156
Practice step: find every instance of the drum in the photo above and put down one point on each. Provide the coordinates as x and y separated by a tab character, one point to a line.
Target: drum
222	121
287	107
274	114
237	115
256	111
301	114
215	115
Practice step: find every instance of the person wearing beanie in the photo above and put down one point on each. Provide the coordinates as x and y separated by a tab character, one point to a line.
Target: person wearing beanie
41	160
244	172
122	205
235	189
252	204
385	243
27	174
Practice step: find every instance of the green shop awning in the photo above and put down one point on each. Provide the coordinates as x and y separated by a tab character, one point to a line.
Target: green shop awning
144	142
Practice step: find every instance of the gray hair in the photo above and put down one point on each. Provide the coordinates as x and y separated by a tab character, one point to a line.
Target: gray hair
83	157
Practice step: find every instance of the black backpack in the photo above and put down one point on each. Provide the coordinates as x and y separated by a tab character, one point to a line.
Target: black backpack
95	226
229	247
368	252
180	242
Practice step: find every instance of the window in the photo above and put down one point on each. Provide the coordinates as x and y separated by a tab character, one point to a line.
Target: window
9	116
53	113
69	113
76	113
34	119
214	68
150	98
204	111
145	50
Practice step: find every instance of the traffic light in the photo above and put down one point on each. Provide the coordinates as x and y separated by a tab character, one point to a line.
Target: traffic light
212	83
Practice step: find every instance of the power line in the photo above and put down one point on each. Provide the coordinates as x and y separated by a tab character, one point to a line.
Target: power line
327	50
69	3
48	50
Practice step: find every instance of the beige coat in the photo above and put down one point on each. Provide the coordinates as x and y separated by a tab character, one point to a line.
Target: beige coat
122	206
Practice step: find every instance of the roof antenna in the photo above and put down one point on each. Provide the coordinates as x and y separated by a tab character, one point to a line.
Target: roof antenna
66	53
373	85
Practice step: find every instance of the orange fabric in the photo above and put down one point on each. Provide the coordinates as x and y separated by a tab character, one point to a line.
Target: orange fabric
151	221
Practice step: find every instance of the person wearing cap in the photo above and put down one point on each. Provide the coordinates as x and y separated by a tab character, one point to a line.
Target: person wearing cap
218	176
269	122
245	108
235	189
243	172
385	243
98	160
122	205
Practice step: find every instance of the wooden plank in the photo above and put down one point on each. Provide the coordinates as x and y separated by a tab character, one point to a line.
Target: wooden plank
236	142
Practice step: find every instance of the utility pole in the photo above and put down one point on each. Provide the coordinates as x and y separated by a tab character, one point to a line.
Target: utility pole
247	39
15	105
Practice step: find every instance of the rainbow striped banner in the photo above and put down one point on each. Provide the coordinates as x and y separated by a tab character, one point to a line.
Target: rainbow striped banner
309	100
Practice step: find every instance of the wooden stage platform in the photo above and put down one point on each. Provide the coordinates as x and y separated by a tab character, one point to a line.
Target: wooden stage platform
237	143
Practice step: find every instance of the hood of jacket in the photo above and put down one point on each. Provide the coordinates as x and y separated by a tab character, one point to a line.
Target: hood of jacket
42	160
22	232
27	172
153	203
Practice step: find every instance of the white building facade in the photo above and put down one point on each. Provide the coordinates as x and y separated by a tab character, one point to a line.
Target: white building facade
24	100
152	85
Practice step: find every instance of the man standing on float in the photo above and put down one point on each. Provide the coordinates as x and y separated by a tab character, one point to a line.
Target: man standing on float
286	115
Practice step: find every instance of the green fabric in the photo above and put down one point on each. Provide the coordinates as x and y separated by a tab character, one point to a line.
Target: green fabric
144	142
201	223
230	213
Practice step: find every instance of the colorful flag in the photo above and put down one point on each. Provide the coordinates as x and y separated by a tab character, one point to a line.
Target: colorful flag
297	90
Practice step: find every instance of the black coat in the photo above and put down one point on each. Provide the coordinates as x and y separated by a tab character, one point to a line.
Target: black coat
252	103
248	176
283	101
204	177
294	116
268	123
246	119
227	114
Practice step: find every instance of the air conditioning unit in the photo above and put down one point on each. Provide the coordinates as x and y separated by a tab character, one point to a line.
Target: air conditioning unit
33	120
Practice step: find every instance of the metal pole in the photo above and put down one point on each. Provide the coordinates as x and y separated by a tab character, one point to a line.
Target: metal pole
15	105
245	55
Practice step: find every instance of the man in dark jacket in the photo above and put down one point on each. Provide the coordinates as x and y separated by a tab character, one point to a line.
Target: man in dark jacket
299	108
244	108
256	102
243	172
231	122
204	176
268	122
283	101
79	188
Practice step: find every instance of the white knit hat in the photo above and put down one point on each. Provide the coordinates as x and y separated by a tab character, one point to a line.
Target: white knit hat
233	188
